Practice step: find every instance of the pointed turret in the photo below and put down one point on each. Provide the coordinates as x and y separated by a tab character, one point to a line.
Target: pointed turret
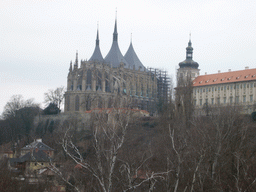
114	56
76	61
97	56
70	68
189	57
132	58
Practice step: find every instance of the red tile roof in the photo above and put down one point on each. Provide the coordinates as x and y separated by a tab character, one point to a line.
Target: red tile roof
227	77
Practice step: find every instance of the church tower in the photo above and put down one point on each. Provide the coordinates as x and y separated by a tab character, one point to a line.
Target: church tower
188	69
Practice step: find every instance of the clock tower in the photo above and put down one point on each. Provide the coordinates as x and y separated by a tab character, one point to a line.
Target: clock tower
188	69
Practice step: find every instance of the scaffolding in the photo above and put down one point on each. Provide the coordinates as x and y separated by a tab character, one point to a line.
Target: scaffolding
163	86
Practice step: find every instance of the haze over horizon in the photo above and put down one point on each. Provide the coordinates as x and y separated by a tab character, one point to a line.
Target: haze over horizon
39	38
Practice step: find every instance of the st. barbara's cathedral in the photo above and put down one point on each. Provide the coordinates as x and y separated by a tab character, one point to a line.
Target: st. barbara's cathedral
98	82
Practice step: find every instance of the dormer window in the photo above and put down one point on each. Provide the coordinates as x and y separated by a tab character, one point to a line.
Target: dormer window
223	79
246	76
214	80
253	75
200	82
207	81
238	77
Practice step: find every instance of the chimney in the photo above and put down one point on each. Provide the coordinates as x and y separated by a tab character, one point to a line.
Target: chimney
229	70
246	67
205	73
39	140
218	71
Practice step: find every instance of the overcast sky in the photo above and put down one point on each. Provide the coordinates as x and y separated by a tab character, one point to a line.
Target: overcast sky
38	38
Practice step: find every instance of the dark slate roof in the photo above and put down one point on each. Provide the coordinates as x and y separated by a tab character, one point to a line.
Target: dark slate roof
97	56
35	156
37	144
114	56
133	59
189	63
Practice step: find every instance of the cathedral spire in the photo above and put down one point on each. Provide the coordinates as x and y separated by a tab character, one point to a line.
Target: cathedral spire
97	56
97	37
115	29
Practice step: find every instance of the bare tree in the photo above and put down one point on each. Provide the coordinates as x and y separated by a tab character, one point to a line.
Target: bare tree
55	96
19	114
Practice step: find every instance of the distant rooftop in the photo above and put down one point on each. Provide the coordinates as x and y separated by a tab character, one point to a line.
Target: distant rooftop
37	144
226	77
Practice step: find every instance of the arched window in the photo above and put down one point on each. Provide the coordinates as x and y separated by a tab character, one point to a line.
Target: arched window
89	80
67	103
77	103
107	88
110	102
98	83
100	102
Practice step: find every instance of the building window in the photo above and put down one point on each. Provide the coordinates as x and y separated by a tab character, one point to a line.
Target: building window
237	86
77	103
68	103
231	87
218	100
237	99
206	101
225	88
224	100
247	85
212	101
244	98
251	85
231	100
219	89
206	90
212	89
228	88
244	85
200	101
195	102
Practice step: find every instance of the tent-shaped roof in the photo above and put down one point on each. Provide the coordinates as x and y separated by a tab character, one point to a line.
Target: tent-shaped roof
133	59
114	56
97	56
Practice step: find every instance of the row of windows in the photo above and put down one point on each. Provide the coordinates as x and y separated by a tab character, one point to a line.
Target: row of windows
225	87
213	101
